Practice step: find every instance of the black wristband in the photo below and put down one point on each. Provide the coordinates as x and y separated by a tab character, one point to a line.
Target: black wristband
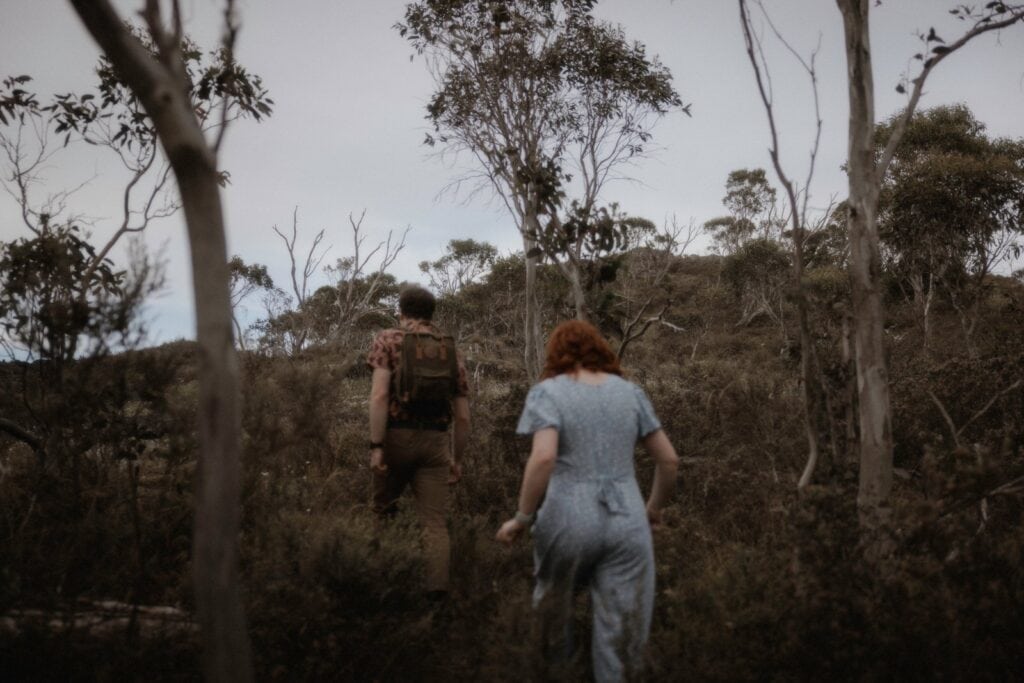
375	445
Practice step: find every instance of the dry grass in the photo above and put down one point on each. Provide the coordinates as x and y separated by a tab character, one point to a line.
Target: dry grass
754	581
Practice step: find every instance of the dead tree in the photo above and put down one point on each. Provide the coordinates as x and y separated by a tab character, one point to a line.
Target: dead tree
300	283
798	198
639	293
357	287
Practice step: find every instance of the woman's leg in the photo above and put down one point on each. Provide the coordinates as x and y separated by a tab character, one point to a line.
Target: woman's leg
622	593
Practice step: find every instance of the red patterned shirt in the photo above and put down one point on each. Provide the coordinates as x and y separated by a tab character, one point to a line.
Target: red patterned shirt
386	353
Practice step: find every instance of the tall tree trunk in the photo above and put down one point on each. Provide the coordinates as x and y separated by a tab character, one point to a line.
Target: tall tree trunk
808	361
850	402
533	353
924	290
579	297
161	86
865	273
218	513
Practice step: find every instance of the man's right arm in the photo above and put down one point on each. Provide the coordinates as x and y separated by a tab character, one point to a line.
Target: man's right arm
379	416
379	391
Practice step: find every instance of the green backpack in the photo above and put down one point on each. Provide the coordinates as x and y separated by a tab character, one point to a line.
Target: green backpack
428	374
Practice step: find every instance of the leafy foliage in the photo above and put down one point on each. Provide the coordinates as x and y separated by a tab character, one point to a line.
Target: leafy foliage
15	101
543	95
220	87
750	200
752	576
951	209
953	201
463	262
52	301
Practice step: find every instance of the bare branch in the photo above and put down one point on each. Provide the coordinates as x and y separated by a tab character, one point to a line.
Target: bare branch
930	63
351	274
988	405
637	328
228	44
311	263
798	210
21	434
954	432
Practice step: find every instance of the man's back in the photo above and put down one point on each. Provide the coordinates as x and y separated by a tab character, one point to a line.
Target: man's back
410	415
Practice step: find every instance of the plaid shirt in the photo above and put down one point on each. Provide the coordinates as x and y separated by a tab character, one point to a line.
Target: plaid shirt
386	353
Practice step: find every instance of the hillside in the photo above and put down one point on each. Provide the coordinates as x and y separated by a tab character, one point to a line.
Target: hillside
754	579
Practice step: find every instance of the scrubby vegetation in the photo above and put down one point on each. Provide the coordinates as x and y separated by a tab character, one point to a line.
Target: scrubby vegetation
754	580
784	556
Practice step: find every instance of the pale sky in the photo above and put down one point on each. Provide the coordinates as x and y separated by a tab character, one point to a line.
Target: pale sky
348	125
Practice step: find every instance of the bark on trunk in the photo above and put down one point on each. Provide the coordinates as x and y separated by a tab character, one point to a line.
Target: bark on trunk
161	87
218	513
533	353
865	271
579	297
923	293
850	408
808	365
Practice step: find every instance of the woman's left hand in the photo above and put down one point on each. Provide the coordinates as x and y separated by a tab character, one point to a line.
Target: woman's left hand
510	531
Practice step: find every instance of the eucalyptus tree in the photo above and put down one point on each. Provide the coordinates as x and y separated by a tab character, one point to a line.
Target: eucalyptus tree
463	262
154	72
866	170
753	211
111	120
540	94
951	209
246	279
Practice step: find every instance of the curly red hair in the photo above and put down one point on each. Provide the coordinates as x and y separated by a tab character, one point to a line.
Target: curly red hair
576	344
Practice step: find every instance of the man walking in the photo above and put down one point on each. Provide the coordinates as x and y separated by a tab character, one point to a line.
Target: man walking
419	390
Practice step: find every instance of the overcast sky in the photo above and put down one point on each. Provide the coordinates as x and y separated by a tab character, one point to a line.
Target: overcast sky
348	125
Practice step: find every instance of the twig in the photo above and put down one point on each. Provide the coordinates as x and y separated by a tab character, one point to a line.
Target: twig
228	45
949	421
930	63
989	405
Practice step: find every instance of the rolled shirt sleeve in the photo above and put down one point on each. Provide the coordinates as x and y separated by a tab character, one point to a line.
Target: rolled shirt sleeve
380	354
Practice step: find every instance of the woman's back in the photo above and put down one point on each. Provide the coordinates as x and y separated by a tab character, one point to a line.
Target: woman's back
598	424
593	501
592	527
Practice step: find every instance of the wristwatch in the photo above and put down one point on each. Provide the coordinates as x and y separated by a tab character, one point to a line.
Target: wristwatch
375	445
524	519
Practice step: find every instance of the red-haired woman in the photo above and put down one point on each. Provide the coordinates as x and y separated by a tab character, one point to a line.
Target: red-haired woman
594	528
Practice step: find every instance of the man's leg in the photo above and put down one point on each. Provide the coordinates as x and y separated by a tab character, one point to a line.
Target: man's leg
430	485
387	488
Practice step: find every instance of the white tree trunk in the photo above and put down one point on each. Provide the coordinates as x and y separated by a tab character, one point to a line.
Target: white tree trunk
579	297
865	273
160	86
533	352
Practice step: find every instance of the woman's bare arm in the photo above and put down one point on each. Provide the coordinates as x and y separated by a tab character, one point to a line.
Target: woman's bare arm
539	467
666	465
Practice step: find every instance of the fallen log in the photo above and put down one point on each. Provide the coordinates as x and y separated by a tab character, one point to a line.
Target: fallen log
102	618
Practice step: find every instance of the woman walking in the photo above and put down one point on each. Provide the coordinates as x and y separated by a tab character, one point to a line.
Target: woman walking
593	528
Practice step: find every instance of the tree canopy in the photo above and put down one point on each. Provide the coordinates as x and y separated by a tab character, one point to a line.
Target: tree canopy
953	202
